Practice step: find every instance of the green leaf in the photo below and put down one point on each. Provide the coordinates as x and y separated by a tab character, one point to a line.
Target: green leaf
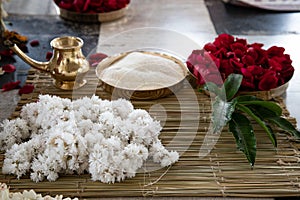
285	125
245	139
277	120
232	85
271	106
221	113
267	128
212	87
242	98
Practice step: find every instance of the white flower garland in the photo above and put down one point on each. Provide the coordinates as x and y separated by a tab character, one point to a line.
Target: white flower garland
26	195
108	139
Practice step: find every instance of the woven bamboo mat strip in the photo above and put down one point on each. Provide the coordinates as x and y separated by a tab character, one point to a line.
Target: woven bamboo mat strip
223	172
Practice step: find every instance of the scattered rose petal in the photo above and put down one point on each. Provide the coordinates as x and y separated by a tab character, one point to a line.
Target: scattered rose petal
9	68
34	43
96	58
26	89
10	86
49	55
6	53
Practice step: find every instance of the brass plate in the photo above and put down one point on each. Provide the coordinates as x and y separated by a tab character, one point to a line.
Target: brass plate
141	94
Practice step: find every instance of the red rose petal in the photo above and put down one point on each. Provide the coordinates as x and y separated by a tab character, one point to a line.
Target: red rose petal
6	53
10	86
26	89
86	5
268	81
96	58
49	55
64	5
34	43
9	68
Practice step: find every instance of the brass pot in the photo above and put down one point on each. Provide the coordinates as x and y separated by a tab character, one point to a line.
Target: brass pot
67	66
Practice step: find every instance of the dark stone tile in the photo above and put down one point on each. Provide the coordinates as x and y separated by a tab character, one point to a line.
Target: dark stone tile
44	29
239	20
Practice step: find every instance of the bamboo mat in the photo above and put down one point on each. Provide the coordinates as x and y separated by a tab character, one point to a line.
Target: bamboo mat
224	172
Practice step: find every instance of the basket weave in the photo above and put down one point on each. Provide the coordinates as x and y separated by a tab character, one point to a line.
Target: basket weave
223	172
264	95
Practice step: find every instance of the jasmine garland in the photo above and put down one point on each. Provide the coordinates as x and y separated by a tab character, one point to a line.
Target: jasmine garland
108	139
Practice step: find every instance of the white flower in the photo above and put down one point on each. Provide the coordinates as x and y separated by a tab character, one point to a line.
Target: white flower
122	108
109	139
26	195
163	156
13	131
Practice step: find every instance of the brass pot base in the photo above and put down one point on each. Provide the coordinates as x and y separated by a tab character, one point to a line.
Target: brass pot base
69	85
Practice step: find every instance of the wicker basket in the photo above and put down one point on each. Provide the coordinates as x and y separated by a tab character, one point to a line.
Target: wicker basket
264	95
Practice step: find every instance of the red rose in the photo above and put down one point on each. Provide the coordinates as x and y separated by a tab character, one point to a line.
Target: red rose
110	5
235	63
79	5
204	66
122	3
248	84
287	73
238	53
213	77
275	51
241	41
257	53
91	6
224	40
261	69
196	57
66	5
256	71
226	68
268	81
239	46
210	47
275	64
196	71
246	73
248	60
96	3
